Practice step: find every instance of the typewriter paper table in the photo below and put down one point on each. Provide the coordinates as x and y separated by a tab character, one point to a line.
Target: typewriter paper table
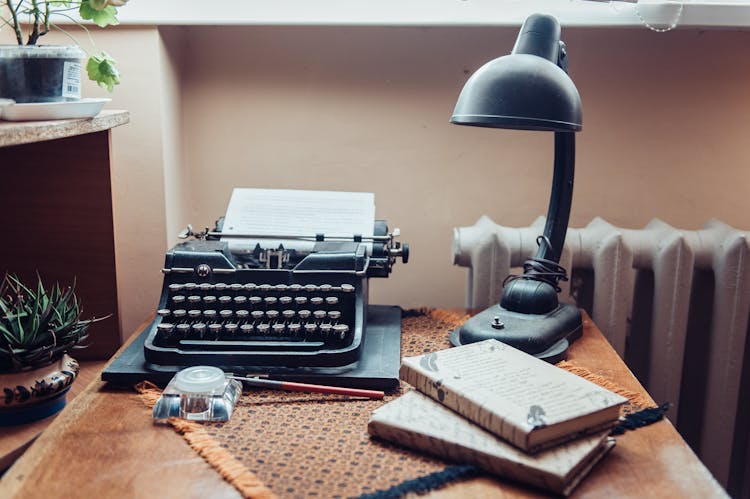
105	445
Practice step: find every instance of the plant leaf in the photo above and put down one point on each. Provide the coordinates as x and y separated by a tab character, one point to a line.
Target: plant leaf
102	70
106	16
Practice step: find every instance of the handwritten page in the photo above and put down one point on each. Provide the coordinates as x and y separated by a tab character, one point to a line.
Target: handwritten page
278	215
506	381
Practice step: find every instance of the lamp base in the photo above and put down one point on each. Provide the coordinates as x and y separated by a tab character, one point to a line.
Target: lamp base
545	336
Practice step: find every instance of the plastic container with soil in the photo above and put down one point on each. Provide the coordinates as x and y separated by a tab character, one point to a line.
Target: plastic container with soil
44	73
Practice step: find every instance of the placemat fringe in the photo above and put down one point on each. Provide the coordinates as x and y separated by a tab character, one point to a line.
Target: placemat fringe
453	319
230	469
634	398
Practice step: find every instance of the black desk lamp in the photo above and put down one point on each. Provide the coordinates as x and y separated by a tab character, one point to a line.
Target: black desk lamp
530	90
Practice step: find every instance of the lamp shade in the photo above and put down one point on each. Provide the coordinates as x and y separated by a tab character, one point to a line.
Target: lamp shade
525	90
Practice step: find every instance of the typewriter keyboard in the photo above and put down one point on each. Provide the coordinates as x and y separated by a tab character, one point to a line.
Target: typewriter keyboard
246	316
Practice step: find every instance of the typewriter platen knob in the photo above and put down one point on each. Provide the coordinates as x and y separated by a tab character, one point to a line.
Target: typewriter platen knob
405	253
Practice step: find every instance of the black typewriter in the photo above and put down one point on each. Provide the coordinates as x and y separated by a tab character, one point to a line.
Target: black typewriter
286	314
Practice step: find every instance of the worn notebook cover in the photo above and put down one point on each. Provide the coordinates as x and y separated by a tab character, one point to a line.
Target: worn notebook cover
418	422
528	402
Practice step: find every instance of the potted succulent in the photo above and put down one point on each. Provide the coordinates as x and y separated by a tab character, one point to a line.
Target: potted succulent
30	72
38	329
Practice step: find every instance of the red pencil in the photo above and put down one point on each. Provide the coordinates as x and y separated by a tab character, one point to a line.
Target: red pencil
305	387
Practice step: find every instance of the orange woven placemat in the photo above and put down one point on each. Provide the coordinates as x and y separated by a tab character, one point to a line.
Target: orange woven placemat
311	445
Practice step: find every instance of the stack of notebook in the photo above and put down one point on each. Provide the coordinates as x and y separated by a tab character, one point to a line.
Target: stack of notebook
504	411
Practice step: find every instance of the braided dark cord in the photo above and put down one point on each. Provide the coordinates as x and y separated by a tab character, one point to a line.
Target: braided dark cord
424	484
540	269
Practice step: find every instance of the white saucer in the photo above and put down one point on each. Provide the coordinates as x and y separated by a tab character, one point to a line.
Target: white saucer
35	111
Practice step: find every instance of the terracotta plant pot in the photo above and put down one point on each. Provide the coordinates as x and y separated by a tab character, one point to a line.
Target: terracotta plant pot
33	394
44	73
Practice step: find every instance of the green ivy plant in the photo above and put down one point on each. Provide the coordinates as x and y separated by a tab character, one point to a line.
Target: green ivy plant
39	16
38	325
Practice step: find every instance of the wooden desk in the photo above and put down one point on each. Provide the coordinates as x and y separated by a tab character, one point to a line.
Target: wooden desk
105	445
14	440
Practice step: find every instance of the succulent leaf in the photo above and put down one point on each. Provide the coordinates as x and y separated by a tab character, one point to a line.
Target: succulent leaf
38	326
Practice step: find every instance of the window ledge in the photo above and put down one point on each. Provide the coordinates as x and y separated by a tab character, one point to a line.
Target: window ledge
703	14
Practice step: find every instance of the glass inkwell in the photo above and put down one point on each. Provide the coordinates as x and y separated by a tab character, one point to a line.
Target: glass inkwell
199	393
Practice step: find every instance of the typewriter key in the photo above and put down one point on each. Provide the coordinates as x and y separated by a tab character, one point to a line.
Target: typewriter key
194	299
263	328
254	300
240	300
319	314
294	328
198	328
288	314
334	315
249	287
214	330
332	300
280	287
178	299
270	300
247	329
235	287
316	301
189	286
163	312
272	314
311	328
340	330
311	288
325	329
285	300
265	288
165	327
257	314
326	288
209	300
174	288
347	288
182	330
220	286
304	314
225	314
178	314
300	300
231	328
194	314
205	287
278	328
225	300
296	288
209	314
242	314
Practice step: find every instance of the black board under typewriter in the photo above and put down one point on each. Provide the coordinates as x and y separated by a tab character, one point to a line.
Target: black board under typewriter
269	311
376	368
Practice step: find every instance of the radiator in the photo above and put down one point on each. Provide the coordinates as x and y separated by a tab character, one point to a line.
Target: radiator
673	303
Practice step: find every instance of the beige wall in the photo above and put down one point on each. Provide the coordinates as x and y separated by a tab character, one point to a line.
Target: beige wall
139	162
665	120
367	108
